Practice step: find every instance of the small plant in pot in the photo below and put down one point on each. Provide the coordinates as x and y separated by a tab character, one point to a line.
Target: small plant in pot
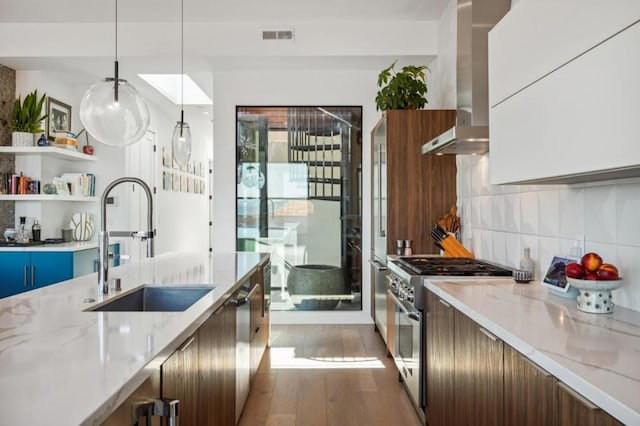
27	119
405	89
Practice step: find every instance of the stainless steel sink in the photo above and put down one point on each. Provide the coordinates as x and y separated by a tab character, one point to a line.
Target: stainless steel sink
155	299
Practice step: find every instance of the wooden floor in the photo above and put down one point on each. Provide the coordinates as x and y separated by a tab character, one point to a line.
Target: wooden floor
337	375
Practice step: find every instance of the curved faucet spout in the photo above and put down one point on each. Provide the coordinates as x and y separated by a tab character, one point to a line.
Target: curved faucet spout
103	244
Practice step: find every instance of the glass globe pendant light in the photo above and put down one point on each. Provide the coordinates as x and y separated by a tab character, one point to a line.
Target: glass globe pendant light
181	139
112	110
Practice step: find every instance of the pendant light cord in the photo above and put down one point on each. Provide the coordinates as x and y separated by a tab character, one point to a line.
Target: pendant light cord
116	74
181	66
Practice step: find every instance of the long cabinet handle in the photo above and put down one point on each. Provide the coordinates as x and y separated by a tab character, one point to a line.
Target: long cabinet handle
186	344
576	395
444	303
536	367
488	334
379	266
24	276
382	233
33	275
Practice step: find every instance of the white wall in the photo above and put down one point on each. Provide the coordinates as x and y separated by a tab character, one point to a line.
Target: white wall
182	218
499	221
278	88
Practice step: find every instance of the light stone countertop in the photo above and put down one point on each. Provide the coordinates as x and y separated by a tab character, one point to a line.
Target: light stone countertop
61	365
598	355
70	246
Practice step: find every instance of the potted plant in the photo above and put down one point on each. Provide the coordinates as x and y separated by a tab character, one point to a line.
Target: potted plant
27	119
405	89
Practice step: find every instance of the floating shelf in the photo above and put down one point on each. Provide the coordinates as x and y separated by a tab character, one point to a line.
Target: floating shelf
60	153
46	197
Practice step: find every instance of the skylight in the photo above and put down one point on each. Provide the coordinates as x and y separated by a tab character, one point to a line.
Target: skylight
169	86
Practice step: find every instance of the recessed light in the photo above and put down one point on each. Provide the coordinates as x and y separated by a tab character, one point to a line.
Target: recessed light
169	86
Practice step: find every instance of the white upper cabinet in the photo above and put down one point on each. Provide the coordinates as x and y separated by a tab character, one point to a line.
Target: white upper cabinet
564	108
538	36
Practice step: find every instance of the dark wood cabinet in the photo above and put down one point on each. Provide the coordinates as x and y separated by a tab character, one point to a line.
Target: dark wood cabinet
478	375
180	379
419	188
575	410
439	360
531	392
217	386
473	378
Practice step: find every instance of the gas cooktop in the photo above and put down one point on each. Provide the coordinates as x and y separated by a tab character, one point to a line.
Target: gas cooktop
453	266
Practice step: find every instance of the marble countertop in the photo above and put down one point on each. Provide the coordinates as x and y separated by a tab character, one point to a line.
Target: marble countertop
62	365
70	246
598	355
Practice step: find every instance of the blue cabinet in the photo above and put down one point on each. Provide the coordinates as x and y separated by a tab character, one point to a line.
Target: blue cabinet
14	269
21	271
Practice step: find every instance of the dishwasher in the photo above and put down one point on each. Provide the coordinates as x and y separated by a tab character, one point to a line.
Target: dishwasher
243	343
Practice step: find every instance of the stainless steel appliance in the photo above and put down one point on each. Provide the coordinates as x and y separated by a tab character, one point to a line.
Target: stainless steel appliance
404	286
378	259
242	301
470	135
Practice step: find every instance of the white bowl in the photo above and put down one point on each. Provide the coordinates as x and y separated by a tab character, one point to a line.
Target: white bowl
595	285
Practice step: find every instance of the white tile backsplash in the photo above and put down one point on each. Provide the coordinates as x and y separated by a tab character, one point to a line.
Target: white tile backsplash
571	210
549	219
600	214
628	214
548	213
529	213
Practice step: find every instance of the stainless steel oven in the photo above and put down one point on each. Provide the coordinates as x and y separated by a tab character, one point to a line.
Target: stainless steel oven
408	344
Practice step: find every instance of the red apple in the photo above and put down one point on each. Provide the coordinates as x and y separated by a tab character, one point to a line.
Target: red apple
607	272
574	270
88	149
591	262
593	276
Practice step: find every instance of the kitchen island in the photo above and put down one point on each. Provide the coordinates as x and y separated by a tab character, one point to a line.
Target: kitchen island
60	364
595	355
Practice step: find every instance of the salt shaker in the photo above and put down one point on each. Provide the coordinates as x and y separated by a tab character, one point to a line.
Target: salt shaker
399	247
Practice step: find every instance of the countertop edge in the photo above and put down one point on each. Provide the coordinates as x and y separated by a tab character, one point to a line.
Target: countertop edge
596	395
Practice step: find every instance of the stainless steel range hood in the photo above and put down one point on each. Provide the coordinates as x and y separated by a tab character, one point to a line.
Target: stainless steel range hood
470	135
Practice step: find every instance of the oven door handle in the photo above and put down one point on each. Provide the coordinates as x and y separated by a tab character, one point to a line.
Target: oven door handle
411	315
379	266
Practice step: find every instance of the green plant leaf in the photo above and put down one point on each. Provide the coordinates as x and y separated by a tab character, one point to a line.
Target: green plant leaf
402	89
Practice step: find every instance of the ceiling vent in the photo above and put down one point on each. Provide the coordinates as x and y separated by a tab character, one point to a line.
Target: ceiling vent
277	35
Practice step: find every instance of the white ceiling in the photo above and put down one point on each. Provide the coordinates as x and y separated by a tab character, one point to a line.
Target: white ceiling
267	13
276	11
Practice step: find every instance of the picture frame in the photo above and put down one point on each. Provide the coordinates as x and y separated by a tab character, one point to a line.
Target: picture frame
555	279
59	117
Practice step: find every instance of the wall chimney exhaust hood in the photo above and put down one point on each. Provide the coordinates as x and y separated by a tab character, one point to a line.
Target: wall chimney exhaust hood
470	135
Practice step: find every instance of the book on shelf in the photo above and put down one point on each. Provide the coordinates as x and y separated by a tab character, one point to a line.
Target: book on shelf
80	184
18	184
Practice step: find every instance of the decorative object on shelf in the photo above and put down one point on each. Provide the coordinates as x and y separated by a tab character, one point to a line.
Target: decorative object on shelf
405	89
49	189
522	276
10	234
61	186
35	231
26	119
67	234
181	140
594	296
43	141
112	110
82	226
22	235
526	263
66	140
87	149
59	115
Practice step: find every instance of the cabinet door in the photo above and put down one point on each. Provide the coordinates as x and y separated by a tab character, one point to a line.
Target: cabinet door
217	387
531	393
478	375
15	267
50	267
439	363
180	380
259	331
575	410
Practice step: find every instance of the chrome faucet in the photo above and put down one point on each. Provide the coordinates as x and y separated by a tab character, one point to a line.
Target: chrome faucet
103	244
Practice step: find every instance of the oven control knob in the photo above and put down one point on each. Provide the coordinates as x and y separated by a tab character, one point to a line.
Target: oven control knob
410	298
